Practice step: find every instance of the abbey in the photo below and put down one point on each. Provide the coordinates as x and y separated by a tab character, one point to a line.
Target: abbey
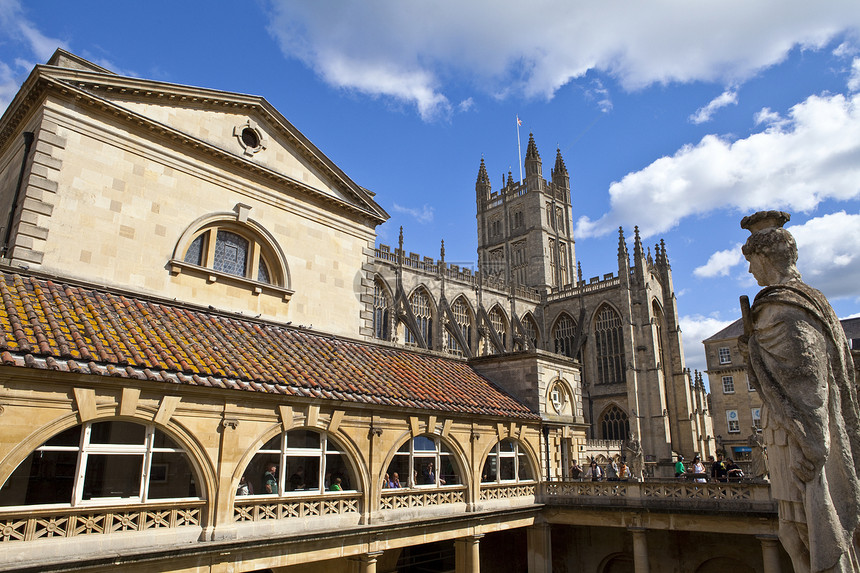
207	364
621	329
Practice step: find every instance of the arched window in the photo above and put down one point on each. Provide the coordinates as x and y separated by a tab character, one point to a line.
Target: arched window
609	346
463	321
231	253
614	424
497	319
102	462
300	462
506	462
380	311
425	461
563	334
531	328
420	303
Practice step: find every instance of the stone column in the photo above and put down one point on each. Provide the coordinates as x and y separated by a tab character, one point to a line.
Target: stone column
770	553
365	563
539	549
467	554
640	550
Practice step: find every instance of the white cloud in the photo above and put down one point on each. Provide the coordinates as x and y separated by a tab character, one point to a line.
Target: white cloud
422	215
829	253
695	329
600	94
407	50
854	78
466	105
768	117
811	156
704	114
720	263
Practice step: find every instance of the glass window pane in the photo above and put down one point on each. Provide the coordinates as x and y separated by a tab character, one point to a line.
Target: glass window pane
112	475
489	473
331	446
404	447
263	272
448	474
261	481
303	472
44	477
116	432
170	475
525	468
303	439
273	445
506	446
400	466
506	469
194	254
71	437
423	443
231	253
336	468
162	440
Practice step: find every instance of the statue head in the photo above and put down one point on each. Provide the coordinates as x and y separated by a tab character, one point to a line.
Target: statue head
770	249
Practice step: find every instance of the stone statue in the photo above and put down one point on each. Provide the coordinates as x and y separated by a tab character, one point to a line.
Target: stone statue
758	454
800	362
635	457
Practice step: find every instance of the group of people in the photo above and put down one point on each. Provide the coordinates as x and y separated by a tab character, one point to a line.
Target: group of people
615	471
295	483
720	470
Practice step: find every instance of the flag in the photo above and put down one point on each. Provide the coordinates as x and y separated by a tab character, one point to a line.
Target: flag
519	121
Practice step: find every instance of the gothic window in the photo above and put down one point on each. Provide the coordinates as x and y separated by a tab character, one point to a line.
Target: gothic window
615	424
507	462
497	319
562	261
463	322
305	462
380	311
608	341
234	250
563	334
425	461
496	262
552	261
103	462
520	263
531	329
420	303
549	218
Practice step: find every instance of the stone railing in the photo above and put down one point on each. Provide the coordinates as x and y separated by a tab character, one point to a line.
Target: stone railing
584	288
47	523
406	498
661	494
261	509
506	491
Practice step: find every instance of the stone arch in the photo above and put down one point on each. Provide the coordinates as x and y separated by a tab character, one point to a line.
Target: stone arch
563	334
608	344
722	564
459	455
617	563
614	423
523	448
422	301
532	326
237	222
383	305
459	307
201	465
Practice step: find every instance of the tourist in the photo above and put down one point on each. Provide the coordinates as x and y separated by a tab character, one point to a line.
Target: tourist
244	487
718	468
612	471
336	485
680	470
623	472
733	470
698	470
575	471
270	479
395	480
594	472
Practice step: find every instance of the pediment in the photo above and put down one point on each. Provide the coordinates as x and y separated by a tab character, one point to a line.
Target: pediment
217	119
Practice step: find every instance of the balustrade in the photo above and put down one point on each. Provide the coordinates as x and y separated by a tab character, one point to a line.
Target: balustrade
261	509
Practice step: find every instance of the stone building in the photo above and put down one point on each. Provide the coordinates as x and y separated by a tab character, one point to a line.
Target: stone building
735	404
208	366
621	328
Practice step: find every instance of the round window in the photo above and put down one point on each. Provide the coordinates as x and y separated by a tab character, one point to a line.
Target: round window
250	138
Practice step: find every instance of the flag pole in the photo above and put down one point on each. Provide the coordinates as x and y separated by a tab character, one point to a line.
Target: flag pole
519	149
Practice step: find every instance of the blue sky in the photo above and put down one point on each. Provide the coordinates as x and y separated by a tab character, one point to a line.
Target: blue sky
676	117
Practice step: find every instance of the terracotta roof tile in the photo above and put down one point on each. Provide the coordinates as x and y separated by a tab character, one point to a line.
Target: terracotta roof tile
74	329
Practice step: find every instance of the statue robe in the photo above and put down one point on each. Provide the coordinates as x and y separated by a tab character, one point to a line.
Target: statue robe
801	363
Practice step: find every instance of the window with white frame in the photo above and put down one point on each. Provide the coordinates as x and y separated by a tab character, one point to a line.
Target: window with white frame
750	386
300	462
425	461
756	418
234	250
728	385
733	422
506	462
725	355
102	462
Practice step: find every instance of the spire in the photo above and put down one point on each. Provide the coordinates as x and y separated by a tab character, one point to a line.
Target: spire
623	258
510	179
483	178
622	245
579	271
531	150
664	258
483	189
560	176
560	167
637	243
533	162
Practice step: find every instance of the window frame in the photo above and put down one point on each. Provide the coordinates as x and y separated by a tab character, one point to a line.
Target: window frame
517	454
441	449
728	384
725	355
733	423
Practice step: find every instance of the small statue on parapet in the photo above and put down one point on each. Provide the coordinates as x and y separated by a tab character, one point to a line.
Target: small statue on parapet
758	455
635	457
799	360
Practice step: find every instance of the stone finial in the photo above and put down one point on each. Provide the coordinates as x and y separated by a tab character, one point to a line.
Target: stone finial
764	220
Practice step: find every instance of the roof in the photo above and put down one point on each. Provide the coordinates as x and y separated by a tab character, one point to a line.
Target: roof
733	330
67	328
